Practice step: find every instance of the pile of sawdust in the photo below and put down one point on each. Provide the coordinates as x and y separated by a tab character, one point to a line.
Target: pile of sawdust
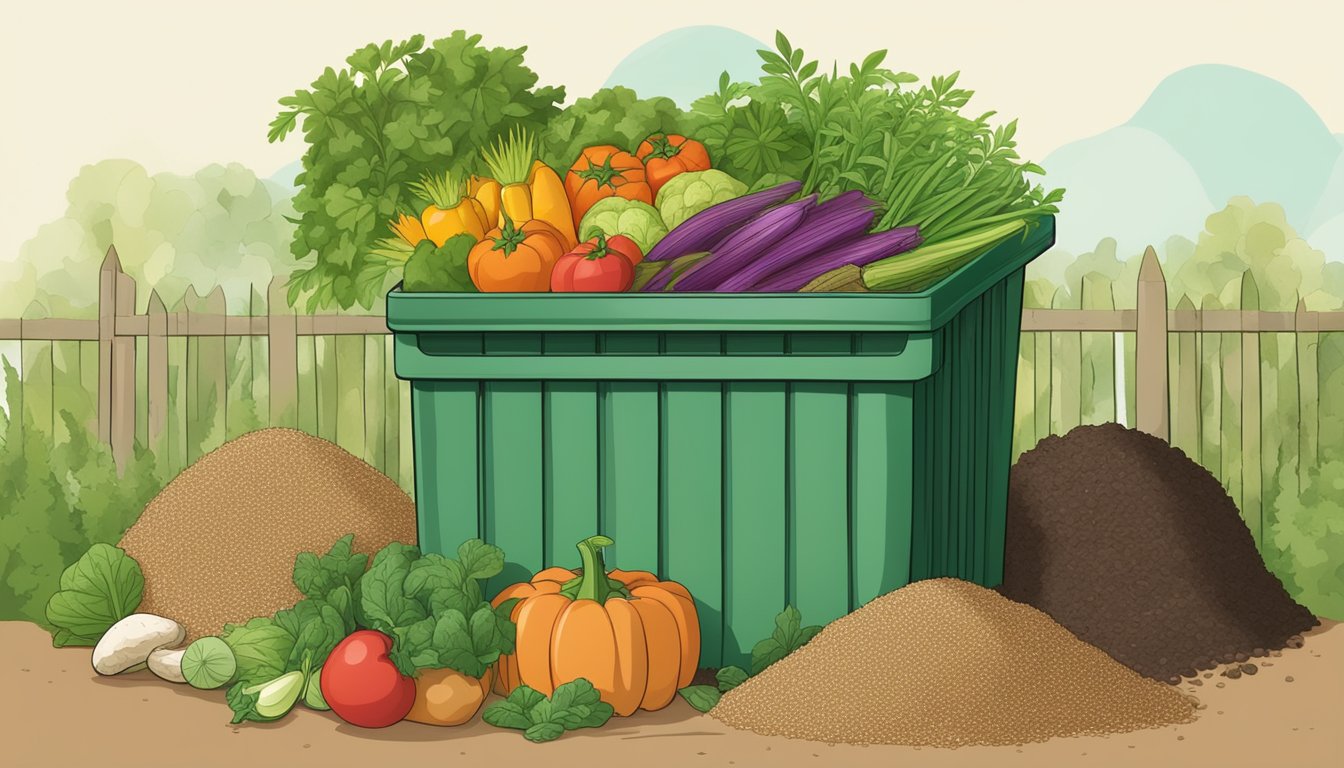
217	545
947	663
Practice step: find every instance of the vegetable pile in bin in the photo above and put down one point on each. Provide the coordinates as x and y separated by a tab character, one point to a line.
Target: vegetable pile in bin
761	449
767	344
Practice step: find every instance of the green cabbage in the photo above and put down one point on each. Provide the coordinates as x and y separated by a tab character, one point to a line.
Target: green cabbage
617	216
687	194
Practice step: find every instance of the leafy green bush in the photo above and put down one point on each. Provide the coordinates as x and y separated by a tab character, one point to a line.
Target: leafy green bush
56	501
1308	531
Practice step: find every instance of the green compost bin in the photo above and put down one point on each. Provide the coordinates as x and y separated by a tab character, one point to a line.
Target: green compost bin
815	449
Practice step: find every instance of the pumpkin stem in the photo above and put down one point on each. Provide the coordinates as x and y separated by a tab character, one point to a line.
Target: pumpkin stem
593	584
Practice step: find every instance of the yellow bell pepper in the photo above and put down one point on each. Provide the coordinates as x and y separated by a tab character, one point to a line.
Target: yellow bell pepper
451	211
486	192
529	189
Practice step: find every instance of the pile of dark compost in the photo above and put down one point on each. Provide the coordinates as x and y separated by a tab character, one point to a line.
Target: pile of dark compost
1138	550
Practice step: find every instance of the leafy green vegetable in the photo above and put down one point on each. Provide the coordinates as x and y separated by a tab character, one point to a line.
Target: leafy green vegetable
705	697
440	269
318	577
434	609
618	216
702	697
261	648
312	692
395	113
687	194
101	588
574	705
749	141
267	647
730	677
789	636
243	704
611	116
273	699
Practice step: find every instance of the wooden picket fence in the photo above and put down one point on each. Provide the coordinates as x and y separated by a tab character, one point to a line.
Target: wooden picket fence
1166	358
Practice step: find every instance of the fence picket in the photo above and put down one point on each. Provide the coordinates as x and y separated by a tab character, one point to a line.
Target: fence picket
282	355
1098	353
1150	350
1308	381
157	379
107	324
1252	483
1184	383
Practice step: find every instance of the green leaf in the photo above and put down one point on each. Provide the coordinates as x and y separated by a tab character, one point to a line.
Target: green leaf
282	125
547	731
261	647
383	603
481	560
453	639
598	715
507	714
575	692
575	704
244	705
789	636
101	588
702	697
730	677
440	269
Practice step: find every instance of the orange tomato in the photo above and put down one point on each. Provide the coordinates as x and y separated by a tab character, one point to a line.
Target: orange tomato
667	154
516	258
605	171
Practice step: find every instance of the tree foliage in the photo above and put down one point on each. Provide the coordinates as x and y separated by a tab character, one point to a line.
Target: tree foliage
219	226
393	114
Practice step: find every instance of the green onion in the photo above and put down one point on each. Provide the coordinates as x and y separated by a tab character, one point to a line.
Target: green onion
917	268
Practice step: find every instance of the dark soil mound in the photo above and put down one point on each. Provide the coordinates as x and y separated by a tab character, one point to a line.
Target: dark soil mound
1138	550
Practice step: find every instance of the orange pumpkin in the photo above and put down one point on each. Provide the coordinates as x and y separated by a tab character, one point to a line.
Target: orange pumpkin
634	637
516	258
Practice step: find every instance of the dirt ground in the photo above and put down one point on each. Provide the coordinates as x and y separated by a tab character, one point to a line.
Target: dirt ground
57	712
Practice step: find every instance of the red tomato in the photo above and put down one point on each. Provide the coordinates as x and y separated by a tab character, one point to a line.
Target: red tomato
615	244
362	685
595	267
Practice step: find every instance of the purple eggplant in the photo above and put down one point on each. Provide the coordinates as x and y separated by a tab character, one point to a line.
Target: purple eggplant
706	228
837	220
671	271
740	248
858	252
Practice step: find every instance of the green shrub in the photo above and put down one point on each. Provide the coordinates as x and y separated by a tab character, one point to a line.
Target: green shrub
1308	532
56	501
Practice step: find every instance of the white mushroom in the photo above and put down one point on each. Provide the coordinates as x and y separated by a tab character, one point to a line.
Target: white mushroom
167	664
129	642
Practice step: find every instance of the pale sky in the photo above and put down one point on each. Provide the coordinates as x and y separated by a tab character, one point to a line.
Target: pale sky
178	85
